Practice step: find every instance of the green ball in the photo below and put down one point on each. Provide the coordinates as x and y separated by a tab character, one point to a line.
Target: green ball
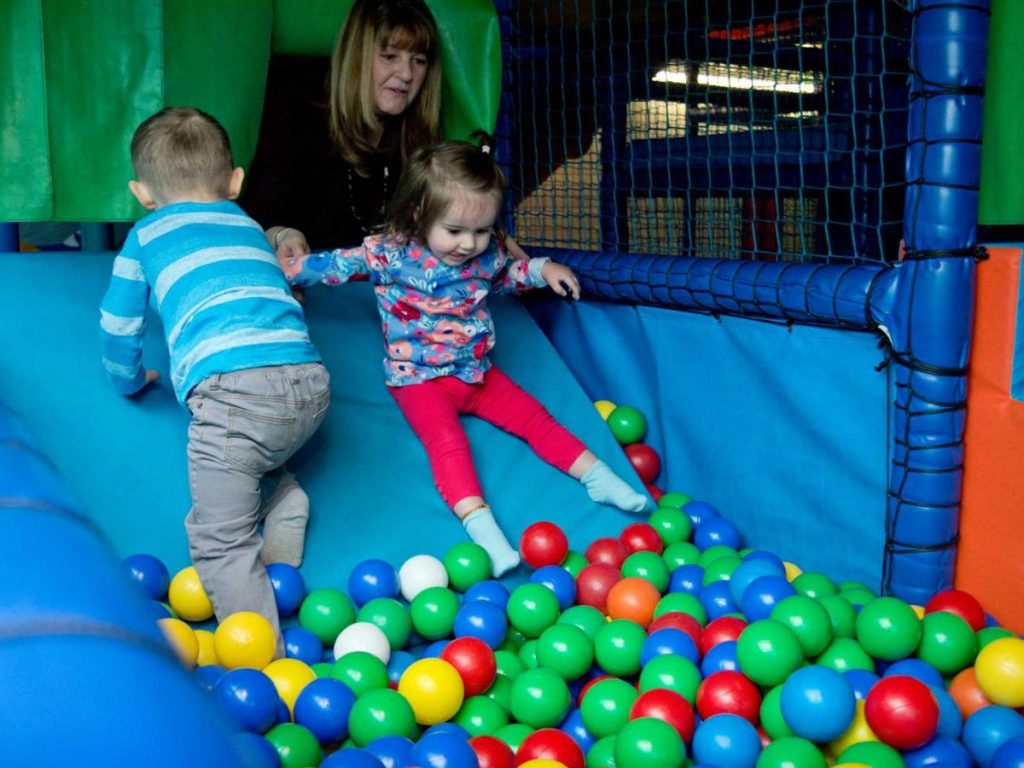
682	602
513	734
586	617
602	753
501	692
532	608
671	523
617	647
841	614
322	669
605	707
628	424
986	635
674	499
649	743
680	553
296	745
391	616
676	673
791	752
574	562
772	721
466	563
481	716
808	620
325	612
433	612
888	629
873	753
814	584
845	653
528	654
509	664
857	596
947	642
361	671
768	652
714	552
566	650
540	698
383	712
513	641
648	566
721	568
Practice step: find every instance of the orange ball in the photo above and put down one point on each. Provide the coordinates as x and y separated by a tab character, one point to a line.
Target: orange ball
633	598
967	693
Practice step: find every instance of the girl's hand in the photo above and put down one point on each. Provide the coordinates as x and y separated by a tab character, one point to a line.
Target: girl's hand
561	279
287	243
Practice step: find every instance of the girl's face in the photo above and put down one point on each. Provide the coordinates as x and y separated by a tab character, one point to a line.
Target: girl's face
464	231
396	77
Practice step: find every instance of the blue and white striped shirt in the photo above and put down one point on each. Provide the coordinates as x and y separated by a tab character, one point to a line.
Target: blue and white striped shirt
216	284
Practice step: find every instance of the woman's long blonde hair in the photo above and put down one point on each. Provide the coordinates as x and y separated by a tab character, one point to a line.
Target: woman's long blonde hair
371	26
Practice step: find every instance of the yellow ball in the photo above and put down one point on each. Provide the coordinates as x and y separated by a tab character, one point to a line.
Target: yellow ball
542	762
187	596
858	731
918	610
289	676
433	689
182	639
207	651
792	570
244	639
1000	671
604	407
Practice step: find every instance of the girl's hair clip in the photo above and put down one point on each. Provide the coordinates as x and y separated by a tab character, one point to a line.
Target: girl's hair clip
485	148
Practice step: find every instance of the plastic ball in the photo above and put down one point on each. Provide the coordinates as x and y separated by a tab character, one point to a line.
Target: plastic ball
540	698
1008	755
605	706
678	602
720	630
673	673
434	690
467	563
594	583
244	639
999	669
768	652
990	728
483	620
381	712
747	571
149	573
492	752
289	677
671	524
649	743
641	537
295	745
187	596
861	681
726	741
574	562
947	642
627	424
842	615
963	604
729	692
325	612
669	641
870	754
791	752
858	731
532	608
550	745
618	645
371	579
944	752
585	617
489	590
392	751
604	407
668	706
433	612
888	629
208	675
566	650
902	712
716	599
807	620
363	636
845	653
772	721
573	725
289	587
817	703
543	543
482	715
721	658
397	664
912	667
249	697
712	531
360	671
645	461
391	617
559	581
607	549
634	599
649	566
763	594
474	661
421	572
301	644
687	578
323	706
182	639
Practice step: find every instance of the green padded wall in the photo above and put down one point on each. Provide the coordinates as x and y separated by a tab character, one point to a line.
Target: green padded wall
77	77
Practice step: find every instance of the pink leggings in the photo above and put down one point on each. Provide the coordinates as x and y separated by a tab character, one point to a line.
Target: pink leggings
432	409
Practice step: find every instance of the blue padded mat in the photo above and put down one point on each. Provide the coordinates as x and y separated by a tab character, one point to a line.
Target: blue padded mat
367	476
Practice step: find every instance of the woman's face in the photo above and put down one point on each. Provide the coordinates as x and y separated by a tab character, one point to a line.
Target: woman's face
397	77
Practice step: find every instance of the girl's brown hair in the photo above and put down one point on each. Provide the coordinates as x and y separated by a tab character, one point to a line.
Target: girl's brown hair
371	26
433	179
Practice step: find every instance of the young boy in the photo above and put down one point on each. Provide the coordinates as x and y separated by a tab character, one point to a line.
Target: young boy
241	359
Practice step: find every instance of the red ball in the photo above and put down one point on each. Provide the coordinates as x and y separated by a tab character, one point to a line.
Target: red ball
666	705
641	537
729	692
678	620
902	711
963	604
492	752
607	550
543	544
720	630
474	660
655	491
588	685
645	461
594	583
551	744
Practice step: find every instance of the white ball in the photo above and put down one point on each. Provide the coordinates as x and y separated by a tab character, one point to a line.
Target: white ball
421	572
363	636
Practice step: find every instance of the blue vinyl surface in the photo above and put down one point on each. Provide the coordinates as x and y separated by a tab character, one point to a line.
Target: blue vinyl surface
123	459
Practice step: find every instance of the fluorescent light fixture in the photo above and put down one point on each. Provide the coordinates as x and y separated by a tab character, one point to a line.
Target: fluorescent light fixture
735	77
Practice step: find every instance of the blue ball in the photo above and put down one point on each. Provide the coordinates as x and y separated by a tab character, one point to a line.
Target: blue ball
256	750
687	578
392	751
951	721
149	573
988	728
443	750
668	641
747	572
771	557
489	590
716	531
726	741
481	619
300	643
573	725
397	664
433	651
947	753
451	728
719	658
1009	755
371	579
559	581
861	680
817	703
717	600
249	697
918	669
699	511
289	587
352	758
763	594
323	706
208	675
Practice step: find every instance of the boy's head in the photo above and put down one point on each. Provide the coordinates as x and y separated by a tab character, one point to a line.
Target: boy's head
182	154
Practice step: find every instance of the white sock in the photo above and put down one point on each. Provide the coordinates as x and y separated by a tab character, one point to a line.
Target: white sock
605	487
483	529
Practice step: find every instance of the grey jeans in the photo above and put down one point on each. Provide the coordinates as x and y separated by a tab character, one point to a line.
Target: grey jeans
244	424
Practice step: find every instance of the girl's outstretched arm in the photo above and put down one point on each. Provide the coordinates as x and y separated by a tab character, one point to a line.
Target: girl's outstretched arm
328	267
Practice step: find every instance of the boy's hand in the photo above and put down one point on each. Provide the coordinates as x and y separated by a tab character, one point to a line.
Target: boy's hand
561	279
290	247
151	376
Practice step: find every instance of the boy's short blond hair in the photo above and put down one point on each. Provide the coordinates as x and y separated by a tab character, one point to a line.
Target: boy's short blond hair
182	150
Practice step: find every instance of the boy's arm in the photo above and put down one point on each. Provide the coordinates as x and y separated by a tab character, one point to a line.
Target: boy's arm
123	325
328	267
